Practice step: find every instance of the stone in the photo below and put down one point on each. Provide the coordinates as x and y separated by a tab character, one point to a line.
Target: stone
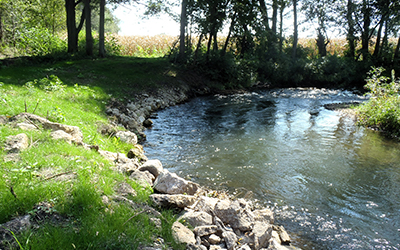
244	247
235	213
182	234
16	143
137	152
230	239
214	239
127	167
61	135
170	183
264	215
262	234
153	166
16	226
283	235
26	126
127	136
205	204
74	131
216	247
3	119
148	123
143	178
196	219
172	200
125	189
205	230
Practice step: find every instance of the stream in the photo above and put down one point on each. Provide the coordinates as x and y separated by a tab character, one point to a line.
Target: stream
331	184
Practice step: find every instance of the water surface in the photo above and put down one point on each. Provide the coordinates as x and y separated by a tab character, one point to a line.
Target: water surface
332	184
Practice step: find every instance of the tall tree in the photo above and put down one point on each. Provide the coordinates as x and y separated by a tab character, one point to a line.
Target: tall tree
102	50
88	28
351	39
295	29
183	23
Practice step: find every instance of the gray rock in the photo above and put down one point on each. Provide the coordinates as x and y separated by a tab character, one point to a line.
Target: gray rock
127	136
137	152
125	189
170	183
183	234
283	235
230	239
26	126
205	204
262	234
61	135
196	219
244	247
153	166
172	200
16	143
143	178
16	226
148	123
214	239
264	215
235	213
205	230
3	119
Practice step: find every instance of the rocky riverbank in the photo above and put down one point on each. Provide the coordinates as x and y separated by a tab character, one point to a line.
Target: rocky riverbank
208	219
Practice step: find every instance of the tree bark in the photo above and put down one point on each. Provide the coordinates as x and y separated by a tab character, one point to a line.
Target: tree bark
102	51
88	27
365	36
71	26
378	39
223	52
351	30
396	56
274	16
264	13
182	47
295	32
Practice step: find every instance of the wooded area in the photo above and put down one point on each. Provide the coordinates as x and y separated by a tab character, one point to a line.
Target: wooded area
254	48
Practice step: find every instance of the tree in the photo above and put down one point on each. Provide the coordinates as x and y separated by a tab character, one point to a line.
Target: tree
295	31
102	51
88	28
72	29
183	23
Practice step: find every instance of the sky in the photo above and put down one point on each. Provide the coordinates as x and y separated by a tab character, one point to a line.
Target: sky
132	22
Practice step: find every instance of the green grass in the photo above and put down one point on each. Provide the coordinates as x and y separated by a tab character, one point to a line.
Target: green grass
75	93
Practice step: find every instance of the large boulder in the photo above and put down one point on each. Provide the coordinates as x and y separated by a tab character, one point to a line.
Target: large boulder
171	183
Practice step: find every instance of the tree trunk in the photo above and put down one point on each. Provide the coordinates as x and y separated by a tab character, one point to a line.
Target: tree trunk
264	13
71	26
366	10
88	27
378	39
351	30
274	16
396	56
321	44
281	9
102	51
223	52
182	47
295	33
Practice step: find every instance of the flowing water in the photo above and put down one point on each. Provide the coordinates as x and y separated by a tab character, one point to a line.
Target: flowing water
333	185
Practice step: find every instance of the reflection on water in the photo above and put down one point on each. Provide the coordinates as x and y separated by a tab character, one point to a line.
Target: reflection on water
334	184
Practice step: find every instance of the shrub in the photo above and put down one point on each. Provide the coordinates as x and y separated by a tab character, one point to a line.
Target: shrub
40	42
382	111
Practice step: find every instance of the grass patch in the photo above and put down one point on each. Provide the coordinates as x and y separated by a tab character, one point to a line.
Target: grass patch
71	179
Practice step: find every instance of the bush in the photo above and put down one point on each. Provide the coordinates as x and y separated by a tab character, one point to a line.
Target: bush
40	42
382	111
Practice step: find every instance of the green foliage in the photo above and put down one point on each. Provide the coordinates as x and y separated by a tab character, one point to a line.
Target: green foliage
382	111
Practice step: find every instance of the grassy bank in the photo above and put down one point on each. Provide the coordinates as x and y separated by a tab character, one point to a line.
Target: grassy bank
75	93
